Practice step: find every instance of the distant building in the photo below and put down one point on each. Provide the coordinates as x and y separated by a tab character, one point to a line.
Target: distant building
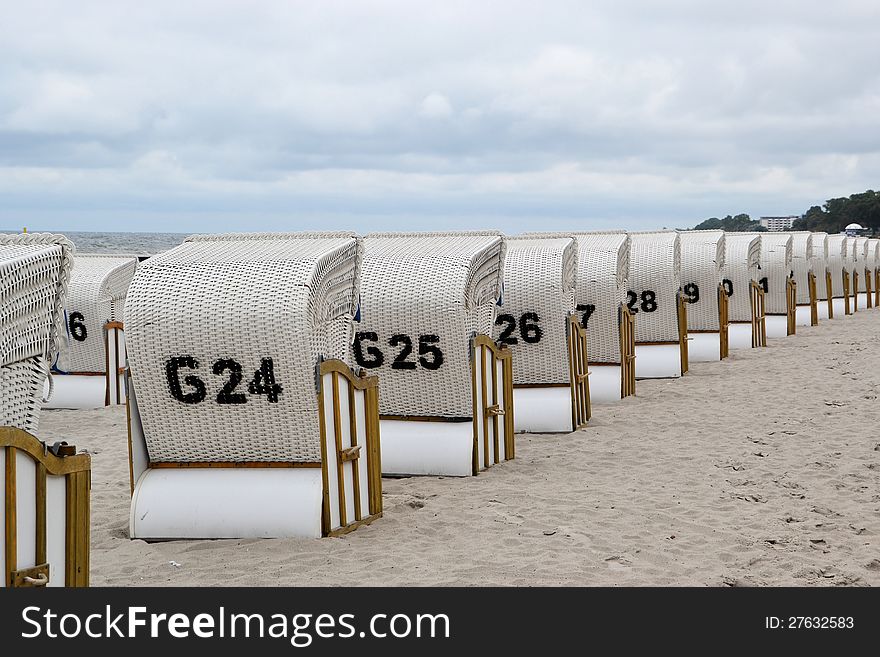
778	224
853	230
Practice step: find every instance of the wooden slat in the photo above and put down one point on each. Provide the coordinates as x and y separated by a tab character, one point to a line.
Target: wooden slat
40	512
340	468
325	483
829	294
355	470
82	528
484	387
22	440
11	526
495	403
71	491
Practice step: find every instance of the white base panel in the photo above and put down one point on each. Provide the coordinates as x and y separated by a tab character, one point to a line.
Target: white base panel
75	391
862	300
604	383
739	336
823	309
704	347
542	410
658	361
839	307
198	503
427	448
804	316
777	326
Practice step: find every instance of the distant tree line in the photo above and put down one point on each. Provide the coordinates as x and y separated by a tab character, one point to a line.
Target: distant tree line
837	213
832	217
739	224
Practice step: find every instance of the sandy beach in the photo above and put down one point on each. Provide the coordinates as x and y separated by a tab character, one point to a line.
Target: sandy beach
763	470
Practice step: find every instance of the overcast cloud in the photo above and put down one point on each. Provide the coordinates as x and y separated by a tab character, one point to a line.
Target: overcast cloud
192	116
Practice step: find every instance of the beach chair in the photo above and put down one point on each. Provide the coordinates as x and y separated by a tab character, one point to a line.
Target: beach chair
551	388
245	420
600	302
741	272
702	264
655	297
89	370
819	266
841	264
780	289
872	271
861	282
805	280
44	496
429	303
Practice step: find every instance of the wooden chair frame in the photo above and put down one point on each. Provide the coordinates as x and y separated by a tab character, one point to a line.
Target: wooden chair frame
682	331
483	346
579	375
723	322
814	299
627	322
76	469
791	305
759	315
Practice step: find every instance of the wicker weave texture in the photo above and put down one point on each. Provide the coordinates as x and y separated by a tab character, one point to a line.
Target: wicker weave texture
655	279
802	263
776	268
838	259
872	257
702	264
34	275
435	290
742	262
21	385
96	295
819	263
540	277
859	260
603	274
234	301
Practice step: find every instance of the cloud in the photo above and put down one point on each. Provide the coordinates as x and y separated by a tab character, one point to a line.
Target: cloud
391	113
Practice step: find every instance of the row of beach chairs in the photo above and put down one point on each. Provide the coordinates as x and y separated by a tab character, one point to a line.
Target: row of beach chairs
252	364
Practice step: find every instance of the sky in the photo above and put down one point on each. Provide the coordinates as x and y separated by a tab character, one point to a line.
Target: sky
299	115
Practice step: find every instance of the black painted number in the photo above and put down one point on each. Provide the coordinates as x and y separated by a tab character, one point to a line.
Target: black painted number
263	382
370	356
692	292
228	395
728	286
77	325
587	309
401	362
529	328
765	284
648	301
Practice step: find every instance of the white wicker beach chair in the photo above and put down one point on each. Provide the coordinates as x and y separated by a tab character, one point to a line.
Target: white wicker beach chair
34	275
429	303
702	264
600	298
548	344
44	495
779	287
859	276
823	275
806	311
90	365
245	420
841	265
655	298
872	271
741	271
